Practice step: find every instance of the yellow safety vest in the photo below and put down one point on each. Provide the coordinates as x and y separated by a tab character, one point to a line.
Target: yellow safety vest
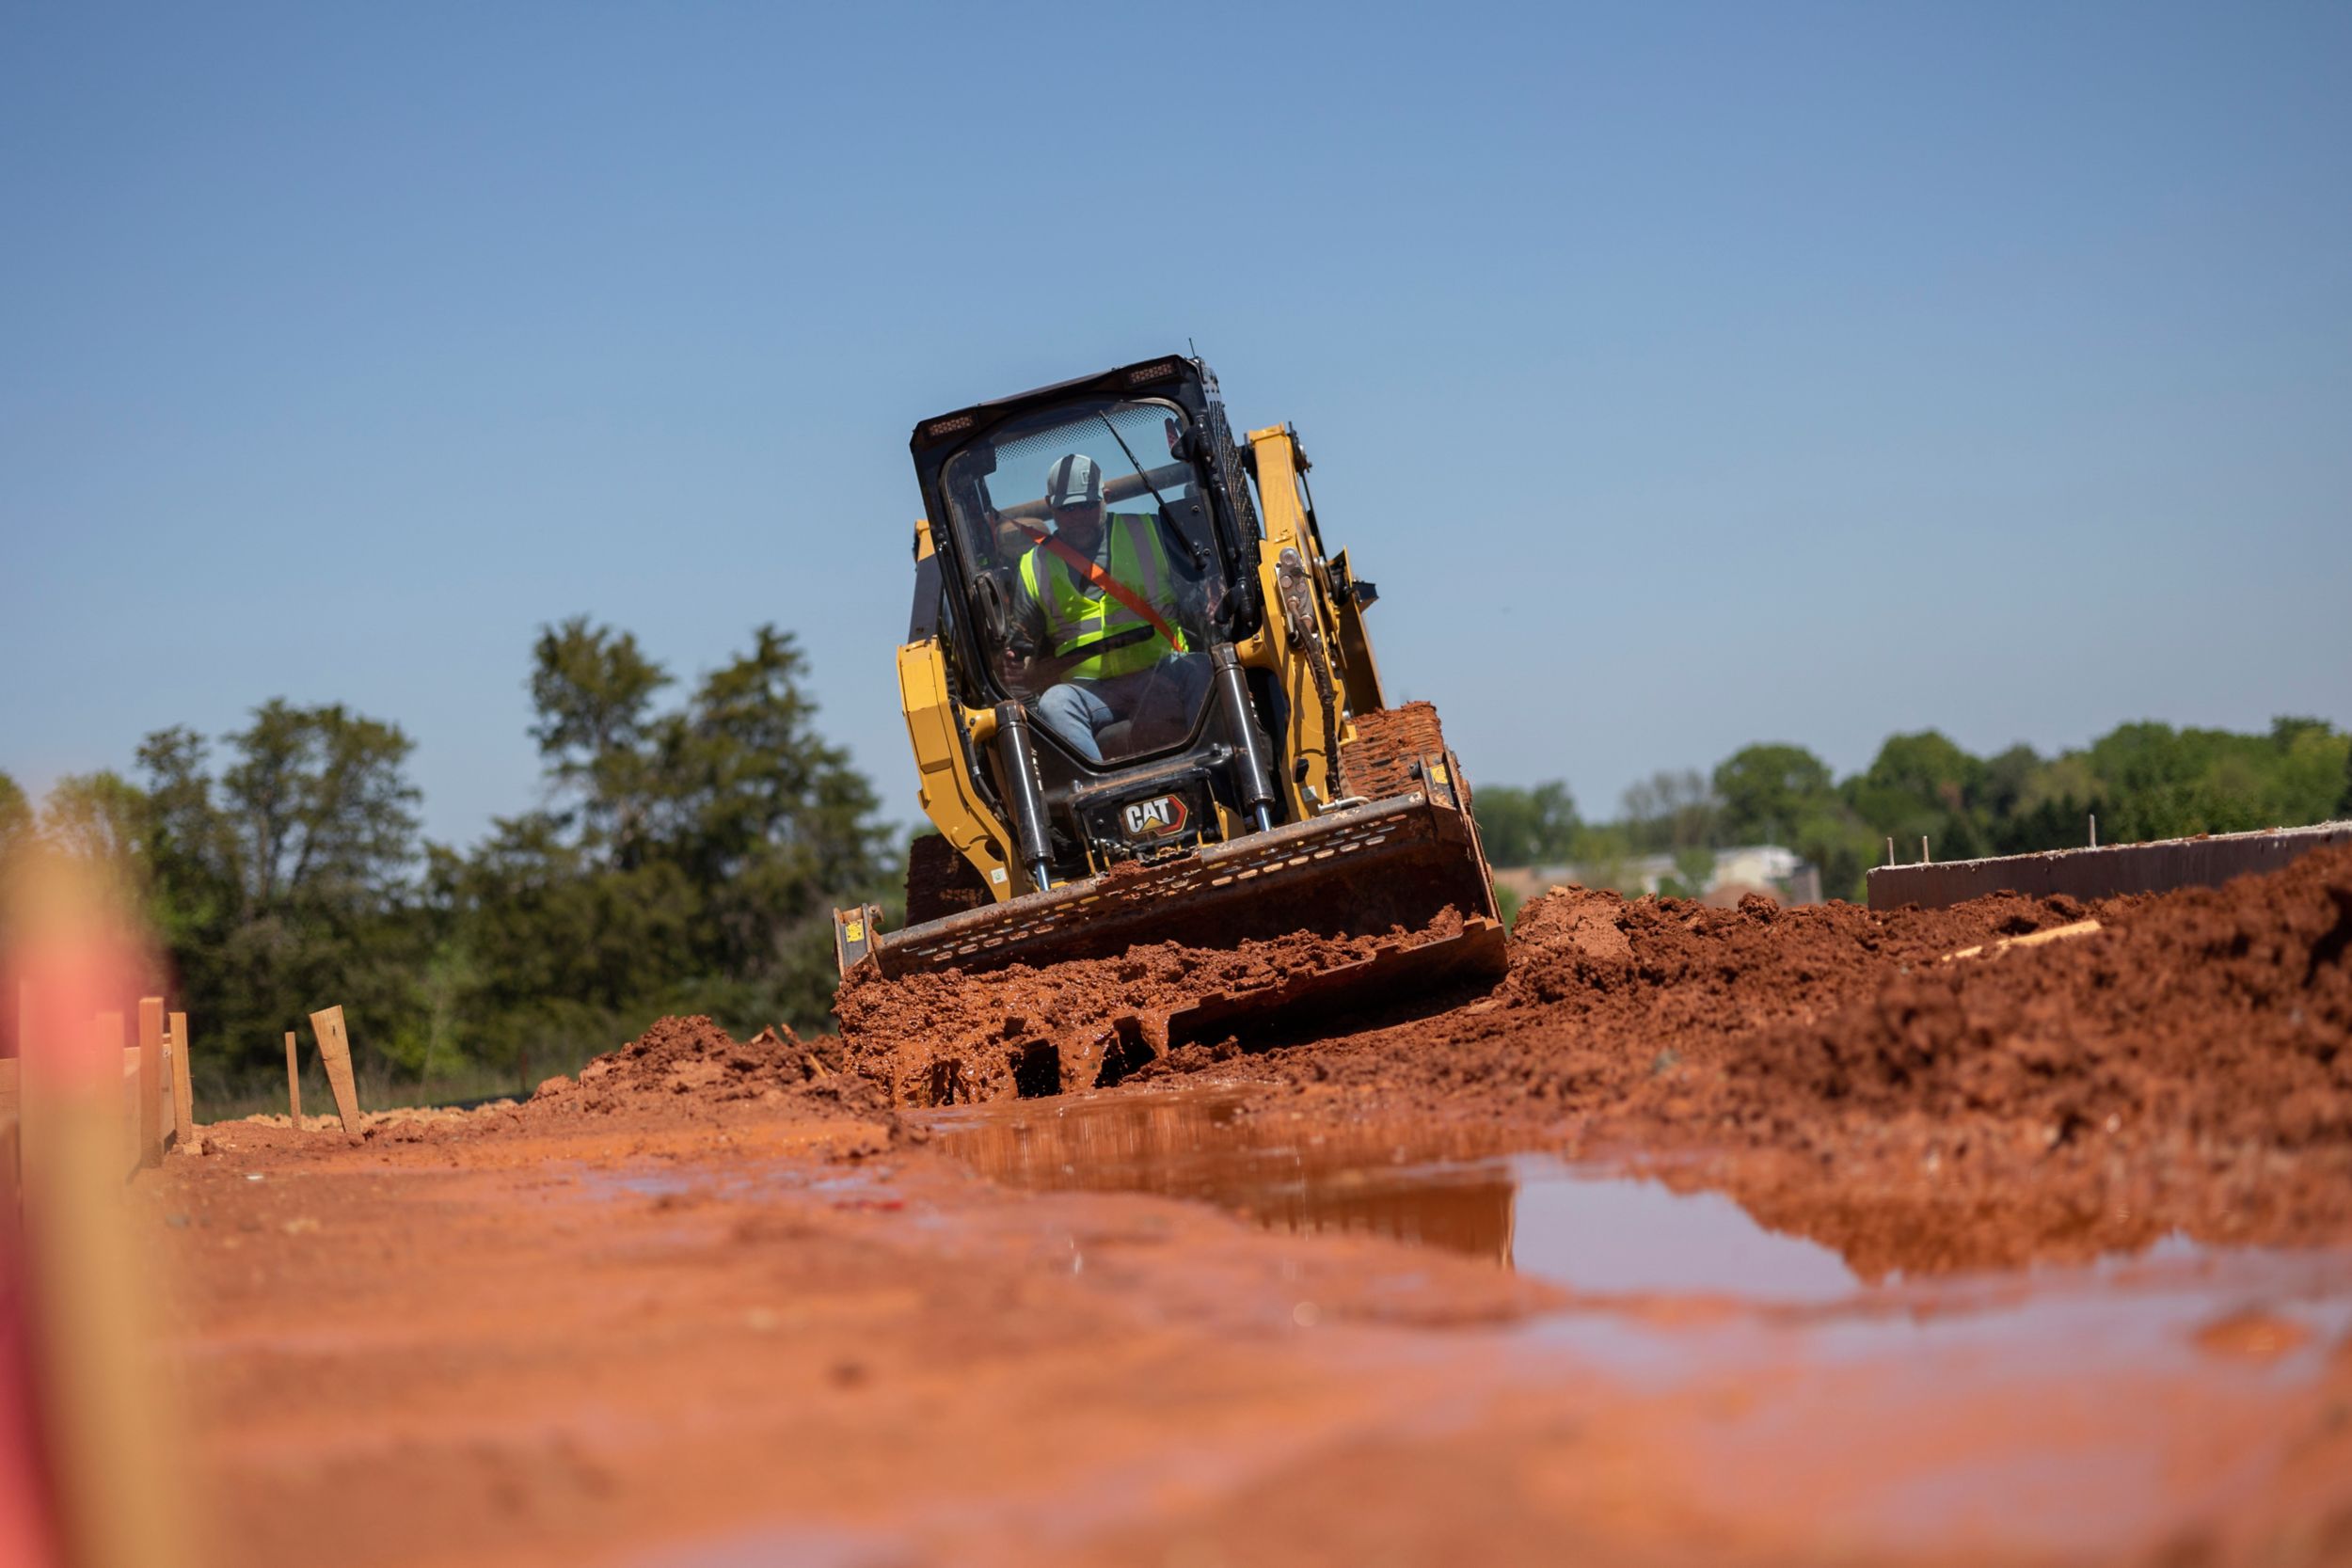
1078	615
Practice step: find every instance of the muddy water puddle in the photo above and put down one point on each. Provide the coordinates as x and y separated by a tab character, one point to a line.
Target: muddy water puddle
1600	1233
1635	1242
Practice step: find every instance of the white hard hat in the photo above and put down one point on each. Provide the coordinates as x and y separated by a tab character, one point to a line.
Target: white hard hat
1073	481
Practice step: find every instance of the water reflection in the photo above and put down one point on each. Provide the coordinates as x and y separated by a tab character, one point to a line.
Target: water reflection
1447	1187
1216	1148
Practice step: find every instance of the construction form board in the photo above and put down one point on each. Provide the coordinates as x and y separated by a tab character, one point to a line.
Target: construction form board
2106	872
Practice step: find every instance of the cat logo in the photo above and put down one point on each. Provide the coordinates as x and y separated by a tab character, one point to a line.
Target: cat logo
1161	817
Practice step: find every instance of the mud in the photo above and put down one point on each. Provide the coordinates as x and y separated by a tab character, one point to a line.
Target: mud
2186	1065
1731	1235
957	1039
693	1057
727	1342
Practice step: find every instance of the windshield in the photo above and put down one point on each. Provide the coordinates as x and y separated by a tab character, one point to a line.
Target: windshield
1094	573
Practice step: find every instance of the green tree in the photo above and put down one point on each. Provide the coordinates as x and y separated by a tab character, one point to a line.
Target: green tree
96	817
287	883
1670	811
1922	786
1526	827
1766	790
691	861
2314	759
2163	783
101	820
593	691
16	817
1693	873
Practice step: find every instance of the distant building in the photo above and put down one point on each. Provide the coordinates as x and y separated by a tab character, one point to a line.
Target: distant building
1772	869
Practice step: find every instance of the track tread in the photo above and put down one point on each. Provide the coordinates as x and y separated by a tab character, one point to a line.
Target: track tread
939	881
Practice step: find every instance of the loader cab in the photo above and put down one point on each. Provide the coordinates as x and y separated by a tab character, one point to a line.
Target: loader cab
1099	621
1115	593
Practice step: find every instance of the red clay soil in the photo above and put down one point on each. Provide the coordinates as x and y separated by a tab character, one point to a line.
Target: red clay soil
2189	1064
953	1038
716	1302
694	1057
525	1336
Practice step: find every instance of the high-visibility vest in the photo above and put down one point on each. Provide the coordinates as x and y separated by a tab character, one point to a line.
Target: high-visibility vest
1079	615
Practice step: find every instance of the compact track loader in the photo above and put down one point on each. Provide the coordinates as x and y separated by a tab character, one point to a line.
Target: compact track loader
1144	708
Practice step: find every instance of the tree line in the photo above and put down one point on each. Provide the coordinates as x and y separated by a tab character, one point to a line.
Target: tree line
686	858
2143	780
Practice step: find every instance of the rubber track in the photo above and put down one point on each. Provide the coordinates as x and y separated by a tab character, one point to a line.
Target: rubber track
939	881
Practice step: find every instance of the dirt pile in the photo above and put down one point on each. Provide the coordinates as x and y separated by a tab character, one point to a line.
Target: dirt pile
2188	1064
952	1037
2219	1016
693	1056
2216	1014
1604	994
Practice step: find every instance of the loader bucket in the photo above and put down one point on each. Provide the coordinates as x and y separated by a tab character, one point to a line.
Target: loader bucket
1386	870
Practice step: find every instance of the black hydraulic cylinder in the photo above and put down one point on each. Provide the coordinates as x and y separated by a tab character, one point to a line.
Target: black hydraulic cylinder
1251	761
1018	754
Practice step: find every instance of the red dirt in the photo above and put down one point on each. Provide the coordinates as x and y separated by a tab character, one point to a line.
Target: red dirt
693	1056
2189	1066
718	1302
2186	1067
953	1038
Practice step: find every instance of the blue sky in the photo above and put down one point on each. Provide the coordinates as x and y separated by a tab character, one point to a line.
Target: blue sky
1684	375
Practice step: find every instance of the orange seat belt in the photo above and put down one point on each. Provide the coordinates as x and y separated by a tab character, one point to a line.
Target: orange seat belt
1093	571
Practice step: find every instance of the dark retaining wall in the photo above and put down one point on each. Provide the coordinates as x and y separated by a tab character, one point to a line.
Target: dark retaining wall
2103	871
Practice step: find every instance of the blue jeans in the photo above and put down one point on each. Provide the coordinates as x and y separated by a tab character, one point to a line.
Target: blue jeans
1075	710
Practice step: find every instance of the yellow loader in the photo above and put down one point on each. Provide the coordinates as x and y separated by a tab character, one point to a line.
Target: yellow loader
1144	708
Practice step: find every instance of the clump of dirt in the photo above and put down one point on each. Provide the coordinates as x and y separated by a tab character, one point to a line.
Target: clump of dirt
693	1057
952	1037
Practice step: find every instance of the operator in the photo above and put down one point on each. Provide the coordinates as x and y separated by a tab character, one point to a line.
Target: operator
1107	614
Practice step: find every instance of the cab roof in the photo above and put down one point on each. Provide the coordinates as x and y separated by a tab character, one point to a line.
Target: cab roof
1144	374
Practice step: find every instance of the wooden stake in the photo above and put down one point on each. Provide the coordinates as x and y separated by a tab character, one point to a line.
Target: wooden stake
111	1049
335	1051
172	1101
151	1080
294	1080
183	1093
2031	939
